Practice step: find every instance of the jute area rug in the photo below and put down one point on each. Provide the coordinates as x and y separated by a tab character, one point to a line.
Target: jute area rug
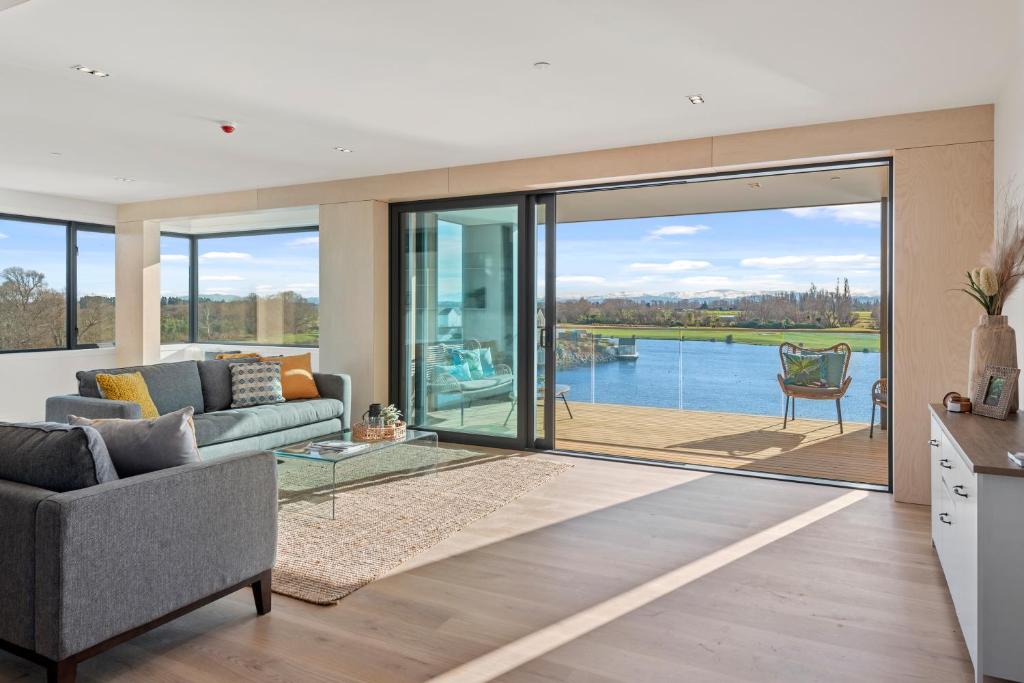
387	510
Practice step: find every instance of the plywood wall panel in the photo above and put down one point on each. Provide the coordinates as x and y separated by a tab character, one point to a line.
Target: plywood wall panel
943	198
859	136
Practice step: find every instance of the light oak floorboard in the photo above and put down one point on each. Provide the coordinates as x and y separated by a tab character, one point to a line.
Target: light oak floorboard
855	596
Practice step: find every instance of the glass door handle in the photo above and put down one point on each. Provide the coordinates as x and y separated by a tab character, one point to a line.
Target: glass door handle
545	340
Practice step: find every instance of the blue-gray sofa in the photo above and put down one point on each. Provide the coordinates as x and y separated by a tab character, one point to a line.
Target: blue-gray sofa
206	386
91	560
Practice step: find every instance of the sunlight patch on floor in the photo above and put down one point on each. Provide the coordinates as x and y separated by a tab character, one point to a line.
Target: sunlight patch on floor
539	643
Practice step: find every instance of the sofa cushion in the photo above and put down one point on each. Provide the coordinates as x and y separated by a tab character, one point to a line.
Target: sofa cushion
215	377
52	456
489	383
240	423
141	446
128	386
172	385
254	384
296	376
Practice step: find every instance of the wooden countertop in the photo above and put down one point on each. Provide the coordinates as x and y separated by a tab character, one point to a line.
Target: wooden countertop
985	441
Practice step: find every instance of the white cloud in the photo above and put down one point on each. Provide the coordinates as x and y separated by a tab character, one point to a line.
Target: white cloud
671	267
305	241
825	261
302	285
675	230
222	278
845	213
580	279
3	236
226	256
704	281
173	257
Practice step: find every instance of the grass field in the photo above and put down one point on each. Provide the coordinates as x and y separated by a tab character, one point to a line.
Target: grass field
857	338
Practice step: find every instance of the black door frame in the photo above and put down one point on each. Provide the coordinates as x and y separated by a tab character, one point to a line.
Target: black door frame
527	293
525	309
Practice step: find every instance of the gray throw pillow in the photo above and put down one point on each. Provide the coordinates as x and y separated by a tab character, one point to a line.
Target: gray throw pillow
254	384
56	457
216	378
140	446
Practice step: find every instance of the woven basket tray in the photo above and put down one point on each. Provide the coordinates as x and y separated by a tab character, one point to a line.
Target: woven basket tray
394	432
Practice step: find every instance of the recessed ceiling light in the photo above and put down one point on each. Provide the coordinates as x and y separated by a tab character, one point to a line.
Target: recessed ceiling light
54	154
346	150
542	65
124	180
835	177
754	185
91	71
695	99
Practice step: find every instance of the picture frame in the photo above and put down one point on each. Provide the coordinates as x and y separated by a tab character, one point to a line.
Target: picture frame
995	388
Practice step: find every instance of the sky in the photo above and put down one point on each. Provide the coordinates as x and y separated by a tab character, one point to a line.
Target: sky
749	251
42	247
244	264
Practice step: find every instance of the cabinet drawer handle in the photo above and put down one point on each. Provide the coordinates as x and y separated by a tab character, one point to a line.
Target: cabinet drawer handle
934	443
944	463
944	518
959	490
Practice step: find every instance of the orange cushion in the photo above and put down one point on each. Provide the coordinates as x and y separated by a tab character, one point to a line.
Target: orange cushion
296	376
224	356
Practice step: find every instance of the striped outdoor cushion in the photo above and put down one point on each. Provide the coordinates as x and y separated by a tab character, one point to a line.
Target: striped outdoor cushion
254	384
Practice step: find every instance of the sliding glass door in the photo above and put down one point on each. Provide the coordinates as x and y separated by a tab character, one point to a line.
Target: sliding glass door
459	364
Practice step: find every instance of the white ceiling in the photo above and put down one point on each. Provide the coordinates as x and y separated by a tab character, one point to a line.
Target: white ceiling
410	84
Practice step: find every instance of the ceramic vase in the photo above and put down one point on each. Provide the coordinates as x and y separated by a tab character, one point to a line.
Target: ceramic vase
993	342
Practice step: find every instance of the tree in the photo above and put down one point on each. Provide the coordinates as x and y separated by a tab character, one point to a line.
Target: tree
32	315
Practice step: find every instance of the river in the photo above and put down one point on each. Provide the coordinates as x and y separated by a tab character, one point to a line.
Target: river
712	376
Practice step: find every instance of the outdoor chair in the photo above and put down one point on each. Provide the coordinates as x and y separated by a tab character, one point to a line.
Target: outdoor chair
879	399
803	376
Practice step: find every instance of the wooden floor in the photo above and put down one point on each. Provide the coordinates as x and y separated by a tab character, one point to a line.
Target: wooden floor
609	572
806	448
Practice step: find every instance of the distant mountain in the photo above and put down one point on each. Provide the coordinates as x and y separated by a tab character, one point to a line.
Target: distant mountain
702	297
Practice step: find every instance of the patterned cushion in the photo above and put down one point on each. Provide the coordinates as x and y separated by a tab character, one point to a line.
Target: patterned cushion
129	386
254	384
832	368
803	369
471	359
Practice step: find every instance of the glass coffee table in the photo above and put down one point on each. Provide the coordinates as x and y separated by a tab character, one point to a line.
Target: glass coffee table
309	479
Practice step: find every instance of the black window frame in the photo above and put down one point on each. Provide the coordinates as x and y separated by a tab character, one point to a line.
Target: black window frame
71	230
193	280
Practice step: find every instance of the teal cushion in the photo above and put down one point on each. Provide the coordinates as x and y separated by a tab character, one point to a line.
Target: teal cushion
471	359
459	372
486	362
240	423
832	368
803	369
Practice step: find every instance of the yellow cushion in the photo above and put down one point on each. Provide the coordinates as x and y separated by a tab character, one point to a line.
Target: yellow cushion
128	386
296	376
224	356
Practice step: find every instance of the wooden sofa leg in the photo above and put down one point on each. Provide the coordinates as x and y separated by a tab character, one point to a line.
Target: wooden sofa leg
261	593
785	413
63	671
839	414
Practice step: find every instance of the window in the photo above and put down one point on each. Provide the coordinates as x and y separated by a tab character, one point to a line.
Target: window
94	271
174	289
39	288
249	288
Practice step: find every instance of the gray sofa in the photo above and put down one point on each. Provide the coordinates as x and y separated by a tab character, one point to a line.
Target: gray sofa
91	560
206	386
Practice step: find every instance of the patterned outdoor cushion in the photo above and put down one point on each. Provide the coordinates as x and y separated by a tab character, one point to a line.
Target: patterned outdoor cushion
471	359
254	384
803	369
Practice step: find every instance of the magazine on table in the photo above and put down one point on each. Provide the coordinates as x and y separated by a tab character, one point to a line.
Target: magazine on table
337	446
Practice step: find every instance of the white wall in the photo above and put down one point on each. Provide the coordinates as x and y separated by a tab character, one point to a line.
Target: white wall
27	379
1009	160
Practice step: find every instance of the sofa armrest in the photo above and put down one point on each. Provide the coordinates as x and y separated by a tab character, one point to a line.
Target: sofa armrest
59	407
118	555
339	386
